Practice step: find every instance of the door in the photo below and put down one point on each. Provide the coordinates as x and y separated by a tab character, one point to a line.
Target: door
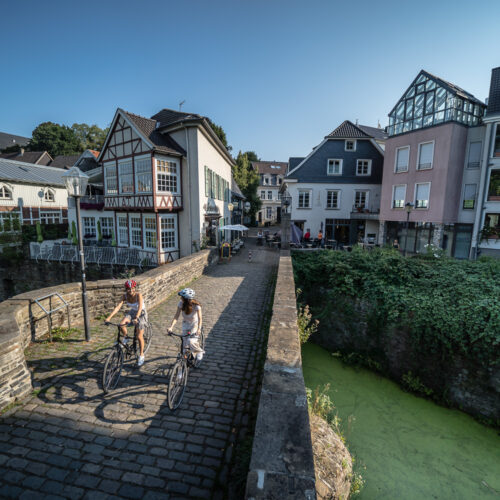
278	214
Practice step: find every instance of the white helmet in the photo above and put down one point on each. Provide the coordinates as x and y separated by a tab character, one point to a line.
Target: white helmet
187	293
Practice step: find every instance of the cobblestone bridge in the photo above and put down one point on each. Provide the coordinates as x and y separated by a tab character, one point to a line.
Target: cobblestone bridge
71	441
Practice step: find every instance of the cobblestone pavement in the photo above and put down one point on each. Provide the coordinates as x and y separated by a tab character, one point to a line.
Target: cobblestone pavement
71	441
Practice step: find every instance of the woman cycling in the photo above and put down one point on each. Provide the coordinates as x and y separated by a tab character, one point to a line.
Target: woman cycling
136	314
191	322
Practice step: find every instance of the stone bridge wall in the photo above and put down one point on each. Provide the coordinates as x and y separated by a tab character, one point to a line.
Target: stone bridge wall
22	320
282	464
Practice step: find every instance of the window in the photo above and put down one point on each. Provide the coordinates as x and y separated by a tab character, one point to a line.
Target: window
269	195
350	145
7	220
333	199
110	179
49	195
425	155
398	196
126	177
474	159
469	196
5	193
492	225
422	192
360	199
266	180
89	227
166	172
207	181
402	159
50	217
135	231
168	231
143	175
334	167
150	231
122	230
262	195
269	212
496	145
107	227
304	199
273	179
363	167
494	186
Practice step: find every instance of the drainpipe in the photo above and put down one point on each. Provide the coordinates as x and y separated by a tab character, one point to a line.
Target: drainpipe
190	222
480	197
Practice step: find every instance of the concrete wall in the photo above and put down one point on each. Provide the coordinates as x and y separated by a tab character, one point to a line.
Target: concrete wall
21	320
282	464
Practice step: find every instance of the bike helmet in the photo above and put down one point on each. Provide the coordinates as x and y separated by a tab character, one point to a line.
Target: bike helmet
129	284
187	293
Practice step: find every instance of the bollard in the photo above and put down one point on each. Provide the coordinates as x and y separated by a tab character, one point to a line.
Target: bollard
250	256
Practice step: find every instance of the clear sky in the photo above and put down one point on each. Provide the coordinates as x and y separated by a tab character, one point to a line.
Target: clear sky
278	75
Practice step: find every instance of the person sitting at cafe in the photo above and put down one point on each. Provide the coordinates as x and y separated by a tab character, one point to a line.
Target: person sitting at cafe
307	235
320	239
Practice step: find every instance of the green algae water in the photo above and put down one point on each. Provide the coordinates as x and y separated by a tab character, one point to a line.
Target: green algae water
406	447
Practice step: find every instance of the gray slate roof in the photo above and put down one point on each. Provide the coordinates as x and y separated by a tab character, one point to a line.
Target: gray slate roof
163	143
377	133
35	157
7	140
17	171
170	116
293	162
347	130
64	161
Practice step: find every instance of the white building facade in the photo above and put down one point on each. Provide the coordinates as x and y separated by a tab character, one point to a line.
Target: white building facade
271	175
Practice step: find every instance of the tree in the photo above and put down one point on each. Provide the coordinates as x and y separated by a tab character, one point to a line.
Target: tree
219	132
56	139
252	156
248	181
90	136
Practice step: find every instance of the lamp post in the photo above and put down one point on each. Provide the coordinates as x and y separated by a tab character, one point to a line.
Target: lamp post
76	184
409	207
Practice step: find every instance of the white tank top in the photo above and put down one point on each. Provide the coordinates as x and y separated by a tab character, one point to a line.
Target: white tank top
134	306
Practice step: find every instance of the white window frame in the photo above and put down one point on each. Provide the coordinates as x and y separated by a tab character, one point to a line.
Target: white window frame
105	228
341	166
149	231
420	144
50	216
415	196
49	195
269	196
393	196
176	246
367	197
396	171
269	212
121	218
338	191
469	163
110	167
369	167
11	216
309	192
121	176
92	226
176	175
6	189
475	196
353	145
138	175
131	229
262	195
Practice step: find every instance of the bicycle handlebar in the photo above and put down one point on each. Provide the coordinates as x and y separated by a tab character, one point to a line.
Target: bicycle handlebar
107	323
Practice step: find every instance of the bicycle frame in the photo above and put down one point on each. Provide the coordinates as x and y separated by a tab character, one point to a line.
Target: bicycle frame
129	348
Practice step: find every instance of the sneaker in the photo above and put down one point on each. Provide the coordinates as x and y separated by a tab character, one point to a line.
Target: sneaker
199	356
140	361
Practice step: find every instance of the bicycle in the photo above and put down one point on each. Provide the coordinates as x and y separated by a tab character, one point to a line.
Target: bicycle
179	373
114	362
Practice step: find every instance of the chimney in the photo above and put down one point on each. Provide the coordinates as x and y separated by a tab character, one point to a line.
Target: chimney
494	97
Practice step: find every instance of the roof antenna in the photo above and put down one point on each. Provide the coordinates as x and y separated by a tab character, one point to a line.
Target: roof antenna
356	122
379	126
181	103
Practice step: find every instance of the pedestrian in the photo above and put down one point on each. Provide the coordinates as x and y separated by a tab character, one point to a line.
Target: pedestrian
320	238
307	236
191	322
395	244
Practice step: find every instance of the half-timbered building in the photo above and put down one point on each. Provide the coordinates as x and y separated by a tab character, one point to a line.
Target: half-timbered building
167	179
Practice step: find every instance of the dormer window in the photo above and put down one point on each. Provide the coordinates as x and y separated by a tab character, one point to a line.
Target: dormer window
350	145
5	193
49	195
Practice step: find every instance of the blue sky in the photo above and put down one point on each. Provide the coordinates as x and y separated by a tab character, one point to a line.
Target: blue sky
277	75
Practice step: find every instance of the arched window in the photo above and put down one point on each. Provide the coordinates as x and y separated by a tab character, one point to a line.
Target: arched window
5	193
49	195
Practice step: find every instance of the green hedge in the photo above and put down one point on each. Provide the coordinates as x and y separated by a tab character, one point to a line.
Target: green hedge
446	305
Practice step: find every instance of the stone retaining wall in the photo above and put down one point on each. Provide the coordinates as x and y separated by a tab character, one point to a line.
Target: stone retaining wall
282	463
22	320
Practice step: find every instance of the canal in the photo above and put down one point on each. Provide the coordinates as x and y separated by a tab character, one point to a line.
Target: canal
406	447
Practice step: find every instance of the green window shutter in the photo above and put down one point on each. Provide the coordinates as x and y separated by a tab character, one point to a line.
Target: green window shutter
207	184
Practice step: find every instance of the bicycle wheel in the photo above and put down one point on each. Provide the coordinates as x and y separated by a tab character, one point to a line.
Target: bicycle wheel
201	342
177	384
148	335
112	369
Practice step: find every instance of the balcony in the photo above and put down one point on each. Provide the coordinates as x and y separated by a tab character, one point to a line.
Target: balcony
88	202
365	212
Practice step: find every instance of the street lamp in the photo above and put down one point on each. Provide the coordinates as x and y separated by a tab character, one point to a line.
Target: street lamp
408	207
76	184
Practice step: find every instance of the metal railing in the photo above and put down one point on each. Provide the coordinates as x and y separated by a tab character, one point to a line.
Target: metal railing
94	255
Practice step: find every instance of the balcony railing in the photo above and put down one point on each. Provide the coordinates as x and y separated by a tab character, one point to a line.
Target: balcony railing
94	254
362	211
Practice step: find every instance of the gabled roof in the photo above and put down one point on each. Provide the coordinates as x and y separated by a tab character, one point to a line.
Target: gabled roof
168	117
378	134
7	140
35	157
13	171
293	162
94	152
270	167
162	143
347	130
236	190
64	161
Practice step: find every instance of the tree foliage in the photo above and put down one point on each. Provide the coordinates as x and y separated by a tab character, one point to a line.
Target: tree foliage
220	133
248	181
90	136
56	139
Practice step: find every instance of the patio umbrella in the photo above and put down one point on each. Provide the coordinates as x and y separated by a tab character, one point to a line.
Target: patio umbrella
296	233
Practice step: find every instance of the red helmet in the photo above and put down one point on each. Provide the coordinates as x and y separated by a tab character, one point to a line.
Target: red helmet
129	284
